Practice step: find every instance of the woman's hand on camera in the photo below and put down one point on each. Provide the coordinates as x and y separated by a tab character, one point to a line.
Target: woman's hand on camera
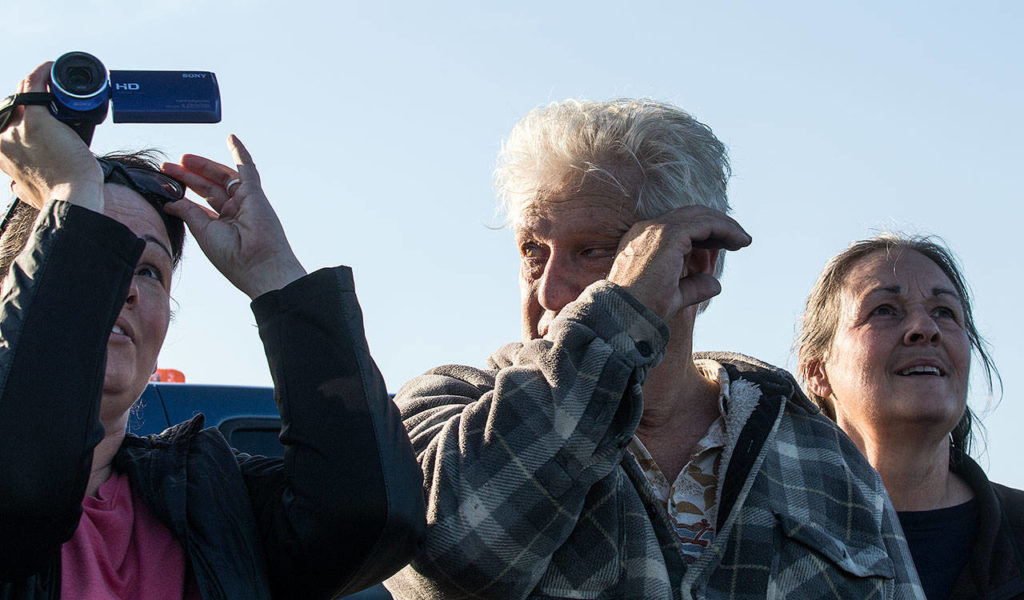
45	158
241	235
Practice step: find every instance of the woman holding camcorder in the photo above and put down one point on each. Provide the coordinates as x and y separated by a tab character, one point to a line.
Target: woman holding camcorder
89	511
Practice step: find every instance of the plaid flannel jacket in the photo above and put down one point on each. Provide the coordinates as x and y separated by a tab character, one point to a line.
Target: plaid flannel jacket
530	493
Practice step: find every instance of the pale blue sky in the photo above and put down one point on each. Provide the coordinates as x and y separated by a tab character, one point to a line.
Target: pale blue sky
376	128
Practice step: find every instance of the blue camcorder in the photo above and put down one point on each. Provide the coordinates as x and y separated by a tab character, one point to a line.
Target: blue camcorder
82	92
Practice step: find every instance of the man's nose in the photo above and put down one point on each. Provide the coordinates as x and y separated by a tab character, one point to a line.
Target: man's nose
561	283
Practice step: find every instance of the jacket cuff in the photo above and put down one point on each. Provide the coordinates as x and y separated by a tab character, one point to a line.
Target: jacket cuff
311	288
628	326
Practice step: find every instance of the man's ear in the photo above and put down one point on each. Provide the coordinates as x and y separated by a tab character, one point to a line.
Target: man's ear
14	188
817	379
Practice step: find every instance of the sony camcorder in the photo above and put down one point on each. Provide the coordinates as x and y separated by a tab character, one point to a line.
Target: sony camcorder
82	92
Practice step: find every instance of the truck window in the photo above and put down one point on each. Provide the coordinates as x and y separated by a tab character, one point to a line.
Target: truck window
254	435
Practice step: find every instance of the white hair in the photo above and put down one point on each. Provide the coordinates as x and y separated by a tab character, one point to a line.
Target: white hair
656	154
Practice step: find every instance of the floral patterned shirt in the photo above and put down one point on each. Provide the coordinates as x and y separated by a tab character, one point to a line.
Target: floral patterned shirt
692	499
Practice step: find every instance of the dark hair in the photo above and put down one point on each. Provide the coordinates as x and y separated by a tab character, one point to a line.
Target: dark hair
821	316
23	216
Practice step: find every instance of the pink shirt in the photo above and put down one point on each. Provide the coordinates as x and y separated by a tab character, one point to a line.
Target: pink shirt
120	550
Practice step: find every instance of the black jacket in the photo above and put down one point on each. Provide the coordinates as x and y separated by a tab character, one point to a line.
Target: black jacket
342	510
995	568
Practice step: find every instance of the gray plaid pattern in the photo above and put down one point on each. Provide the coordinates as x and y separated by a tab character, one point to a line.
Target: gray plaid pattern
530	493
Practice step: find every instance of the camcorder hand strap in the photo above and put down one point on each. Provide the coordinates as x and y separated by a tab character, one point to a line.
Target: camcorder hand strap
6	110
28	98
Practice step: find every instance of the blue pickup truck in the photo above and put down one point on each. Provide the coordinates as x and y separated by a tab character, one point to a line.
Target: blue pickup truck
247	416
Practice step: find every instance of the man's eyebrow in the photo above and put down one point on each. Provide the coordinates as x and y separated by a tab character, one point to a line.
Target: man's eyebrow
613	231
154	240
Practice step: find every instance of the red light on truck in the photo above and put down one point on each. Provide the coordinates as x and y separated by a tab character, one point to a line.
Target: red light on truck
167	376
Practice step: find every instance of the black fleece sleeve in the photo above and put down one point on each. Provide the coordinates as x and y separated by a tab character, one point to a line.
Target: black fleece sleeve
346	510
62	296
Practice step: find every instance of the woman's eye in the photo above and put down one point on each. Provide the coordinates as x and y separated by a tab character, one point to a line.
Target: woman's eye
884	310
150	272
944	312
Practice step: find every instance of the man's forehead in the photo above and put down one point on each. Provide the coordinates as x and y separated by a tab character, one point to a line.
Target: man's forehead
587	214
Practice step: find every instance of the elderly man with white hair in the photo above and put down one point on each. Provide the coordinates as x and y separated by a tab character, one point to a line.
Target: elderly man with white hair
600	457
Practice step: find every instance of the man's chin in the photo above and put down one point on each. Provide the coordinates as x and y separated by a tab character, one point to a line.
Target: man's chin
530	332
544	325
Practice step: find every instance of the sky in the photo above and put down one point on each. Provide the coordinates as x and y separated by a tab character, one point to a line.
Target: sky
375	127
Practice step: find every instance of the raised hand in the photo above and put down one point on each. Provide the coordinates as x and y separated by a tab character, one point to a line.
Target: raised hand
241	235
667	263
44	157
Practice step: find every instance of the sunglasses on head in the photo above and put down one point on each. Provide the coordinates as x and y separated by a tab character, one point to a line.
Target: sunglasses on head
151	185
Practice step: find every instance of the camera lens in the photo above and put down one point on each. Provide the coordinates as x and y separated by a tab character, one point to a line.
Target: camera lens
79	75
79	78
